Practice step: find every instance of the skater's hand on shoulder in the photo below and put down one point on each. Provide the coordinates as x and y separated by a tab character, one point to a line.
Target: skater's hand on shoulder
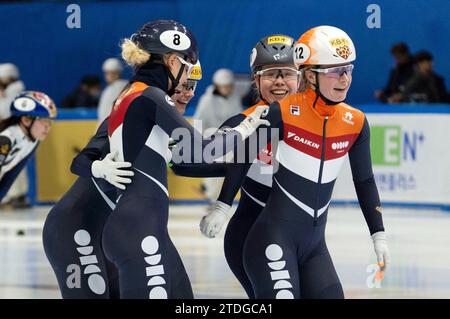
112	171
212	223
252	121
381	249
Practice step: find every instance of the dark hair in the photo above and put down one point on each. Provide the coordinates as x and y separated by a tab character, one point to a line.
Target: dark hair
90	80
400	48
423	56
10	121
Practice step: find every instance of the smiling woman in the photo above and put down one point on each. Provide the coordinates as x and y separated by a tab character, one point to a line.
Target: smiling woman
281	252
289	235
186	90
275	77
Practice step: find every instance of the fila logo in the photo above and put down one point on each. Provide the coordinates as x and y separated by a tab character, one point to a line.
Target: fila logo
155	271
303	140
295	110
340	145
348	117
95	282
279	275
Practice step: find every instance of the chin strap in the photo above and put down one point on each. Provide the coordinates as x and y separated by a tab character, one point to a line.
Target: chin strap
175	81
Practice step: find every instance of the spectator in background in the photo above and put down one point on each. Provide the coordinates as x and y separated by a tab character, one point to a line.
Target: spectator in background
10	86
425	85
399	75
219	102
85	95
112	70
215	106
251	97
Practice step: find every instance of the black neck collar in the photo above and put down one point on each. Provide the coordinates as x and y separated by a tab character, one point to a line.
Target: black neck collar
153	74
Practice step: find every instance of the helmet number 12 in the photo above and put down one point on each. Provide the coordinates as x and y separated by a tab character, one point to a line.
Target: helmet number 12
299	53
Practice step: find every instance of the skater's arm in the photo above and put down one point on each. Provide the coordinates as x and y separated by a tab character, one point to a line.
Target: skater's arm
97	146
211	224
234	177
237	171
363	179
204	169
9	178
190	141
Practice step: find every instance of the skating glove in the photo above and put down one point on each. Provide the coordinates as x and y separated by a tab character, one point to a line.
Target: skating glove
252	121
381	249
112	171
211	224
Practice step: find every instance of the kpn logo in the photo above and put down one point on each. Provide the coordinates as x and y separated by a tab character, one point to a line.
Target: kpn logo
390	145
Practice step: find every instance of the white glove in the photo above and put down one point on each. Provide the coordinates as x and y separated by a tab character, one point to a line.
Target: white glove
211	224
252	121
112	171
381	249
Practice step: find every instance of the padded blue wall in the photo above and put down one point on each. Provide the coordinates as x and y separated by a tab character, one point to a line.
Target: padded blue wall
52	57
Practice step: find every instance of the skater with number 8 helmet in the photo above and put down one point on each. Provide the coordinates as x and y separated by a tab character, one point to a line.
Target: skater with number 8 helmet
135	236
77	219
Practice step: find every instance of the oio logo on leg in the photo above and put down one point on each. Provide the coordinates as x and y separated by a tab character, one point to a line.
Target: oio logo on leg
96	282
279	275
155	271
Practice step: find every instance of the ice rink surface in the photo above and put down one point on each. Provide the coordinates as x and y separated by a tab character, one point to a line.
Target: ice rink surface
419	242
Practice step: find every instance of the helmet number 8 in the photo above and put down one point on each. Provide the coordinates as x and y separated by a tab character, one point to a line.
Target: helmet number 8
176	39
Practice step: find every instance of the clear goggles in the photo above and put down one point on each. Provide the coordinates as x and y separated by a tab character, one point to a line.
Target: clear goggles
189	85
189	66
273	73
337	71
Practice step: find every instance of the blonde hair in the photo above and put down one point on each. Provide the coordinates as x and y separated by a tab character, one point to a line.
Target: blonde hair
303	85
132	54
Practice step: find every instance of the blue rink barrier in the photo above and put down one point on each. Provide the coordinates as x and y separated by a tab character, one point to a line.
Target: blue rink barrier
90	114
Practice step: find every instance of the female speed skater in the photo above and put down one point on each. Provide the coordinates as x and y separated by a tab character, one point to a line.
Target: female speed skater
285	254
135	236
276	77
73	228
30	122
